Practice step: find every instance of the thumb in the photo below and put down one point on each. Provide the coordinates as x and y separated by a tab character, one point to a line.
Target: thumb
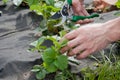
77	6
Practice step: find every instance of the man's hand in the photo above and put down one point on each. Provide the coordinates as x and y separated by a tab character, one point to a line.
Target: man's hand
86	40
79	9
99	5
102	4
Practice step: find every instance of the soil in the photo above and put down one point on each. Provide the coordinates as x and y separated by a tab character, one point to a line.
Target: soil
17	29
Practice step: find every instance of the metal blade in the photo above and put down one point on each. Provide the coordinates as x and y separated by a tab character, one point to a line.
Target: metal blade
57	15
65	10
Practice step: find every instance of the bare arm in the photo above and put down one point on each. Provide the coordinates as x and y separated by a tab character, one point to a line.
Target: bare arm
114	29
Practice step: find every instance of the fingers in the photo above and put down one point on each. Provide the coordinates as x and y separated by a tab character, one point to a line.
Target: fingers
64	49
71	35
97	2
77	7
100	5
74	42
78	10
85	21
80	51
84	11
71	44
84	54
76	50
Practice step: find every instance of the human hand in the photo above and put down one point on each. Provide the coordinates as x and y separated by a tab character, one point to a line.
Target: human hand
102	4
86	40
79	9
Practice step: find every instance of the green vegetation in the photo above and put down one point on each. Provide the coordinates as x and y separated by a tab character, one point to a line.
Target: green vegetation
56	63
118	4
104	71
53	60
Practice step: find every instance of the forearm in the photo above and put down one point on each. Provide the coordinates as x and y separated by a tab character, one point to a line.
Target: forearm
113	27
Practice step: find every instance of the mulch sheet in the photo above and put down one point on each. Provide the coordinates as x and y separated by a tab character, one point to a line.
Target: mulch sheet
17	26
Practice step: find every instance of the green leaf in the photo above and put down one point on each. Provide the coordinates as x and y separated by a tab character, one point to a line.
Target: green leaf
31	49
43	9
118	4
64	42
62	76
50	2
33	2
37	9
49	55
30	2
55	42
41	75
34	43
41	72
57	45
61	62
62	33
50	67
53	9
36	68
5	1
38	42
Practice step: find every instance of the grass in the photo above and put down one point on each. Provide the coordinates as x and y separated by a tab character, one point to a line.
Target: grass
107	69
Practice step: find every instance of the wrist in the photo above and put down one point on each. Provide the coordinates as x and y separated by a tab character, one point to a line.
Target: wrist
113	30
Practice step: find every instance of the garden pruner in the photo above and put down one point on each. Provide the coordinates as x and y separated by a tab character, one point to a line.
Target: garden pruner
67	14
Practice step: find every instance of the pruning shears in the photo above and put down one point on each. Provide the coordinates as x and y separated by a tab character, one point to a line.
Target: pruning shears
67	14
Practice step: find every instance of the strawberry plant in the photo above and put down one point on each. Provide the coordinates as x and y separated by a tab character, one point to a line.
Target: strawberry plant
47	8
53	60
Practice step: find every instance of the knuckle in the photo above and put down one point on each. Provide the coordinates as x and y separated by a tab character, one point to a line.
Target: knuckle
74	51
66	36
76	31
69	45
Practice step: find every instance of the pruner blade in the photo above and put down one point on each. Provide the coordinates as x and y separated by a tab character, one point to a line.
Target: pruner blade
57	15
